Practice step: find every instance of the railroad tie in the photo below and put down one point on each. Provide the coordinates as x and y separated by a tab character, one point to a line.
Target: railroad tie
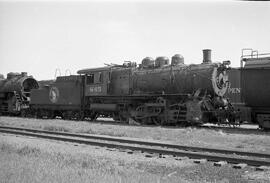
199	161
220	163
262	168
240	166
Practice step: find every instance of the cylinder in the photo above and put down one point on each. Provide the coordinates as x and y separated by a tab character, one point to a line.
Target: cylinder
207	56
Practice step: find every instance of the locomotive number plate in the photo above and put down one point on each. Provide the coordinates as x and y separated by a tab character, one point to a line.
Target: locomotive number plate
95	89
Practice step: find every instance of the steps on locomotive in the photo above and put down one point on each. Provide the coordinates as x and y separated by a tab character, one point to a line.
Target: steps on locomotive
17	96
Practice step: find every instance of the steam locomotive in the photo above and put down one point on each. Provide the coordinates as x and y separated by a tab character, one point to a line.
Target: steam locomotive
153	92
15	92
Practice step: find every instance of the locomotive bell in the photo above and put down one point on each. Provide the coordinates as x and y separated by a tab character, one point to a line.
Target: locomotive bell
207	56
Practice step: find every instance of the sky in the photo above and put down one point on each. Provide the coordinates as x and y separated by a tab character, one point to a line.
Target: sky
40	37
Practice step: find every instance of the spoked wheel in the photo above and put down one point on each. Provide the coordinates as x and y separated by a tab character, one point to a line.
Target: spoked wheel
50	115
116	117
23	113
145	121
183	124
94	116
37	114
157	120
123	118
82	117
67	115
120	117
77	116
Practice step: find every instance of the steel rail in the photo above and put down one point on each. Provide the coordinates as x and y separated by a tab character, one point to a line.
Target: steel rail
131	141
194	155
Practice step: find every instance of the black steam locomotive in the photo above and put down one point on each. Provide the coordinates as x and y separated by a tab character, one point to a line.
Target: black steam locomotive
154	92
15	92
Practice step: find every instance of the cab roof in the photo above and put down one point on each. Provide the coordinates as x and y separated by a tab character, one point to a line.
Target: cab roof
91	70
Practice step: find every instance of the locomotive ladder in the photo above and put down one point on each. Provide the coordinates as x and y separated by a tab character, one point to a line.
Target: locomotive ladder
18	98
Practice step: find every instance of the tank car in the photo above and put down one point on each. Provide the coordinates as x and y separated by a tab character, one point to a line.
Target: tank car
235	94
249	88
255	71
15	92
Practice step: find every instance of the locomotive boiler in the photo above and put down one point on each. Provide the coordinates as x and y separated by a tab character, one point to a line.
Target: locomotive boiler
181	78
15	92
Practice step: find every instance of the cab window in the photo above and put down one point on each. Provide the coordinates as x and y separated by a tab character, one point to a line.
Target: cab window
100	77
90	79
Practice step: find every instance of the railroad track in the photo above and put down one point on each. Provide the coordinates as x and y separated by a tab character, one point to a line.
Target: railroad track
216	155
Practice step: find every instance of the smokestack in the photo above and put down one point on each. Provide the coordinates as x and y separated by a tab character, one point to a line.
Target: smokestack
207	56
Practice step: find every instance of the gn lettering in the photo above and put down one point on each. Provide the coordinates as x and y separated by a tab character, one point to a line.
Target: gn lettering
95	89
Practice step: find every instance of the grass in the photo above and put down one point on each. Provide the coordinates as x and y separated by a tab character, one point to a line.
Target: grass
89	131
30	164
23	160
